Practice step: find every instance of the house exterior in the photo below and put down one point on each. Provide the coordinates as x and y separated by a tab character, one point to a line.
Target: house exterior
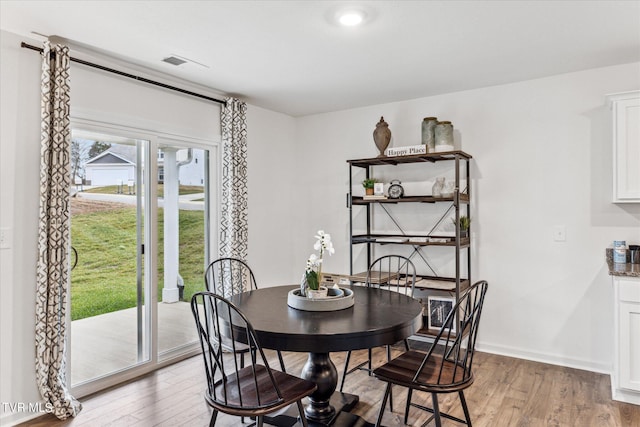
115	166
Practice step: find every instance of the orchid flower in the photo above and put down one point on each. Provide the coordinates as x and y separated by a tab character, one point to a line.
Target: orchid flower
313	271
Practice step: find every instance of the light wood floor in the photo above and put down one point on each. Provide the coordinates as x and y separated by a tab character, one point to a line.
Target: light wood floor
507	392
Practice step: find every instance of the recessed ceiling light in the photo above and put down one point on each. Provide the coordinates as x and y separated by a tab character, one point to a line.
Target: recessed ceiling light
351	18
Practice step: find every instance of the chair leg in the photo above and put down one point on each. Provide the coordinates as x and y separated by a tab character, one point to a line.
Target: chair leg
391	389
260	421
212	422
370	363
464	408
406	409
406	344
384	403
436	410
346	367
303	418
281	362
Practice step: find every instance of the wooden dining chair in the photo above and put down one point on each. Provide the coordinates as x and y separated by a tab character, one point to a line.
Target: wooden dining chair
446	367
393	272
228	277
252	391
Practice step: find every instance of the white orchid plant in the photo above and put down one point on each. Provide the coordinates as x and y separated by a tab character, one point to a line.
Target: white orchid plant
313	272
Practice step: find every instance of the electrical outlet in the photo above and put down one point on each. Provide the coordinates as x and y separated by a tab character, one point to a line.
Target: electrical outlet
559	233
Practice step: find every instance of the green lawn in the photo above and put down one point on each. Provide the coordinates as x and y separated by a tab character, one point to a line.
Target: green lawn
104	279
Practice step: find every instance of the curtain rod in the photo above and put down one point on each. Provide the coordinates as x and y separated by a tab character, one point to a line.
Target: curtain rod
131	76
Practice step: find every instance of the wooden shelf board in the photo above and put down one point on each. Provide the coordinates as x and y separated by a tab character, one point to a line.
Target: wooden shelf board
359	200
363	238
415	158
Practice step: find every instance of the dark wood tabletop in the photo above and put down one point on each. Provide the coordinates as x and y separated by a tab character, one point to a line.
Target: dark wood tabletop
378	317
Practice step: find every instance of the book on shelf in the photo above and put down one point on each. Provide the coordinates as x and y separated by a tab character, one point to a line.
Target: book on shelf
444	285
392	239
374	197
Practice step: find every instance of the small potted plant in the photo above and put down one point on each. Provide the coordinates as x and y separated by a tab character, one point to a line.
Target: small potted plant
368	185
465	222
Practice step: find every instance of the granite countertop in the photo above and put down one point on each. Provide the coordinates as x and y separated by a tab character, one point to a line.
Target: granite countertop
619	269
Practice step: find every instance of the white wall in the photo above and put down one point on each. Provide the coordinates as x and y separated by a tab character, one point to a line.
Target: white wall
19	165
541	157
273	207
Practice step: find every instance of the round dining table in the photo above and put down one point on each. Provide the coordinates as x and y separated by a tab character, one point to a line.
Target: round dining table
378	317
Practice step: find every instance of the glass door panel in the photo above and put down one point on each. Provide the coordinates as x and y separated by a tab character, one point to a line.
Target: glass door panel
109	327
183	242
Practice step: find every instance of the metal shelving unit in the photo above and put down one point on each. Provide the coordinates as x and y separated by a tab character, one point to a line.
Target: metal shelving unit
458	205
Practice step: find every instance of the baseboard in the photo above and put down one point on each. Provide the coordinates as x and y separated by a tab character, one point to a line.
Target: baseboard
552	359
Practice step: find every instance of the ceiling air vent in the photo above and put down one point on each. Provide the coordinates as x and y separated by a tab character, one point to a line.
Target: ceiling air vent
174	61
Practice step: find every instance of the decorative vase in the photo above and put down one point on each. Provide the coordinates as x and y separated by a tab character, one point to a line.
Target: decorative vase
382	136
428	133
443	137
368	191
447	189
436	190
321	292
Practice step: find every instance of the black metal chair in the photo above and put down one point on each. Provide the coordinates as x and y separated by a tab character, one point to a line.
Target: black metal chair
252	391
227	277
396	273
446	367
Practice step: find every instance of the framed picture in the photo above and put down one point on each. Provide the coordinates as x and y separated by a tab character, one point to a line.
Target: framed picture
378	189
438	308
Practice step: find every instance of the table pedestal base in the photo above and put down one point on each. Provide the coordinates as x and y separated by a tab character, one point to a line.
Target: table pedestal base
342	402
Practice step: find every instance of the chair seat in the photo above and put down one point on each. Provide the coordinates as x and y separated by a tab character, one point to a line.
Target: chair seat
402	369
291	388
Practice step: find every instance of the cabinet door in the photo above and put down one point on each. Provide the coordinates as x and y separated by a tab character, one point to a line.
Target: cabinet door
626	147
629	345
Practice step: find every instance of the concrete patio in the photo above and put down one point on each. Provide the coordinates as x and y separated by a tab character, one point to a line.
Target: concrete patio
107	343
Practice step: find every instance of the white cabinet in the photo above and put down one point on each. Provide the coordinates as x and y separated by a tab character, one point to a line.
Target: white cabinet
625	380
625	108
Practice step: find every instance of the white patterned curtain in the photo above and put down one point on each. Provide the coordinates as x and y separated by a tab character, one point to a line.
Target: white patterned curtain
53	233
234	223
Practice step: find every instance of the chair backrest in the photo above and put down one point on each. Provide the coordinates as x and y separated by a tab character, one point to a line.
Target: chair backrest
395	272
228	277
455	346
228	384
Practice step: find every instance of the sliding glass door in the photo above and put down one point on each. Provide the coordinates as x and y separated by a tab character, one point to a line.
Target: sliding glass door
140	238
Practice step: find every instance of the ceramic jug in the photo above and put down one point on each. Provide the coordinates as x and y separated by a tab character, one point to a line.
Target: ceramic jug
436	190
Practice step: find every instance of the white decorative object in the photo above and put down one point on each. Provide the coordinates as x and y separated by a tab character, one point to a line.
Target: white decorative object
406	151
625	108
436	190
337	299
312	278
447	190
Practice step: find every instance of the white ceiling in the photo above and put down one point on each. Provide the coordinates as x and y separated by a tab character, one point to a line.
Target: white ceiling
289	56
